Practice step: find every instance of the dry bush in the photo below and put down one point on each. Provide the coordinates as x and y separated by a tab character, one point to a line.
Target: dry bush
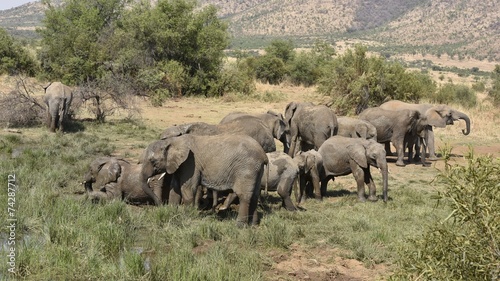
20	107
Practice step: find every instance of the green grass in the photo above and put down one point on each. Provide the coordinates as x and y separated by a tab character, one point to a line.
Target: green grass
61	235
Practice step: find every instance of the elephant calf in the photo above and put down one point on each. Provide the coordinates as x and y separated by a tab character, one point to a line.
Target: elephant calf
343	156
356	128
114	178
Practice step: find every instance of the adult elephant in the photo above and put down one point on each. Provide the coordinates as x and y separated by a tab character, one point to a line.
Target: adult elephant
58	99
282	174
252	127
273	120
437	115
342	156
395	126
356	128
312	124
220	162
115	178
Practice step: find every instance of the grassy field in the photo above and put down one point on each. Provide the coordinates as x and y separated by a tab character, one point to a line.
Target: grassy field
60	235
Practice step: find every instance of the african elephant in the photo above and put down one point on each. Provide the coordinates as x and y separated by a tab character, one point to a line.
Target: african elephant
312	124
356	128
274	121
310	164
437	115
115	178
252	127
343	156
58	99
395	126
282	173
220	162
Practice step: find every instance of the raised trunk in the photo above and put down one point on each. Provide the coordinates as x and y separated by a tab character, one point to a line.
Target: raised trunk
467	122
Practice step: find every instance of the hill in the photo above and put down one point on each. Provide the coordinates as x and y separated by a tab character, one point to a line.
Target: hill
467	28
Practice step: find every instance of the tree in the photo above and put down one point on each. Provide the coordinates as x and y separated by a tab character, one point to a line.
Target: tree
494	92
14	59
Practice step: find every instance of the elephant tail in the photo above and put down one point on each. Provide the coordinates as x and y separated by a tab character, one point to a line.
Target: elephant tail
266	178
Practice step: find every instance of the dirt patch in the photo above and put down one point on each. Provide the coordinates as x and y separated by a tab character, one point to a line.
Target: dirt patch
320	264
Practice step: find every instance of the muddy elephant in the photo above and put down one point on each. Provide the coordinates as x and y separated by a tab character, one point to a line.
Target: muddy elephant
311	124
437	115
397	127
58	99
115	178
343	156
220	162
252	127
282	173
273	120
356	128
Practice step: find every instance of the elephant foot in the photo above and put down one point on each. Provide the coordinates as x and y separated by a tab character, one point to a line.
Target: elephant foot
417	159
433	158
373	198
362	199
426	164
400	164
291	208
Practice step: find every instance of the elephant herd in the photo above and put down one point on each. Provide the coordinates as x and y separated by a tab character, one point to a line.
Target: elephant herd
238	156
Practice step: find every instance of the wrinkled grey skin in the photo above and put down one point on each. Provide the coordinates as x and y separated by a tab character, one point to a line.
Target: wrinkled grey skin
438	116
274	121
58	99
111	178
282	174
220	162
252	127
343	156
311	124
310	164
397	127
356	128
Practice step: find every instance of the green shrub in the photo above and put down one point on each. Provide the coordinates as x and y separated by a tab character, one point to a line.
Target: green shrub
465	245
455	93
494	92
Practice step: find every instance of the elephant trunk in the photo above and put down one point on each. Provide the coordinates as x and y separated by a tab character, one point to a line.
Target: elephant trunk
147	171
467	122
87	182
315	182
385	176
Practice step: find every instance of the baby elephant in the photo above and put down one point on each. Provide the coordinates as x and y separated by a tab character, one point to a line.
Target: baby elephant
281	174
115	178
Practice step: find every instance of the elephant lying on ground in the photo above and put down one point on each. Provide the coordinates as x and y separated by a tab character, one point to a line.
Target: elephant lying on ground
437	115
356	128
274	121
342	156
397	127
220	162
282	174
115	178
252	127
58	99
311	124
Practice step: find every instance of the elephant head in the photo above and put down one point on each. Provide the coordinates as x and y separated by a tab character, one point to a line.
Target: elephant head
310	163
160	157
199	128
108	169
374	155
442	115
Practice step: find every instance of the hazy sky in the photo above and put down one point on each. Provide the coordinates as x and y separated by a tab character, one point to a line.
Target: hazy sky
7	4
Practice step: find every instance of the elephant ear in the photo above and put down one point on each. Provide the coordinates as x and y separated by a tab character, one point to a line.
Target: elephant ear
114	171
358	154
279	128
290	111
176	155
435	117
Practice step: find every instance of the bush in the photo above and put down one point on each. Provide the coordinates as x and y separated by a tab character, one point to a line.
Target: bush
20	108
465	245
494	92
14	59
454	93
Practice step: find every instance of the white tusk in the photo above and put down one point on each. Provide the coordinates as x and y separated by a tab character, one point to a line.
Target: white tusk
162	175
149	179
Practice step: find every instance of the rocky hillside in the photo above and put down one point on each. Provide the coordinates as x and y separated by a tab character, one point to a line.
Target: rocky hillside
466	28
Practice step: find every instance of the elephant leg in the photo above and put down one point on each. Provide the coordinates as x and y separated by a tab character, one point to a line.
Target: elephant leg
431	145
174	196
229	200
371	185
400	151
359	176
388	148
284	191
